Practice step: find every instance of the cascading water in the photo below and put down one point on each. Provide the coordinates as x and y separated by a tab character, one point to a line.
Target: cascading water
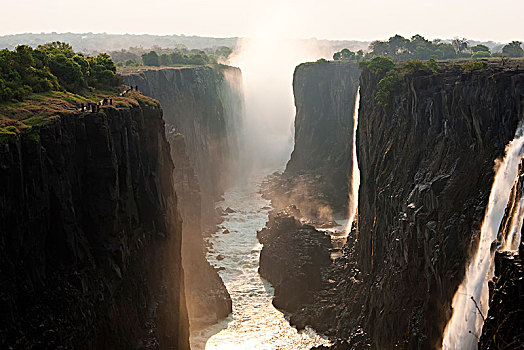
470	302
512	241
355	172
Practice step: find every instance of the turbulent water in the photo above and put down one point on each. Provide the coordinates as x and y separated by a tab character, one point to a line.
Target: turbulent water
254	323
470	303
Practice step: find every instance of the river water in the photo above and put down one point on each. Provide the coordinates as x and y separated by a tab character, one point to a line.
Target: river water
255	323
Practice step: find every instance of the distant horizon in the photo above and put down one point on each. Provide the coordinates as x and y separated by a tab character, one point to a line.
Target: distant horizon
248	37
334	20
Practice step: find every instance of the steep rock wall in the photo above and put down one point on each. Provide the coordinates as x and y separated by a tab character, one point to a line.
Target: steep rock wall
205	104
90	243
207	298
325	95
203	108
426	165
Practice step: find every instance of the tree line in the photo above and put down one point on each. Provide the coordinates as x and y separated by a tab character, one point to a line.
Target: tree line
52	66
417	47
180	55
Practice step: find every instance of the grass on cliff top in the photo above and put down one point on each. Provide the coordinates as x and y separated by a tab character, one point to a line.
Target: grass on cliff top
39	109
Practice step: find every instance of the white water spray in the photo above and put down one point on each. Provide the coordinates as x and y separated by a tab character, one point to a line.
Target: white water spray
471	301
512	241
355	173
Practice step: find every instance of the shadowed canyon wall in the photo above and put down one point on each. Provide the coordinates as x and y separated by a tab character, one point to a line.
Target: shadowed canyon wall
317	176
205	104
426	163
204	109
90	234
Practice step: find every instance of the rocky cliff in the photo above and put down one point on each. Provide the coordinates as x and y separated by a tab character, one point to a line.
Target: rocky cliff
426	160
426	163
321	163
207	298
205	104
203	107
90	238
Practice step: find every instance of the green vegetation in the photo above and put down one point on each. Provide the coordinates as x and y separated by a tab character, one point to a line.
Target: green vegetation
52	67
379	65
513	49
386	88
348	55
473	65
195	58
178	56
399	48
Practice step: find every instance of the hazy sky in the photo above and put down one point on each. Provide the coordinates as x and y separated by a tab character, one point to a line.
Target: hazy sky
499	20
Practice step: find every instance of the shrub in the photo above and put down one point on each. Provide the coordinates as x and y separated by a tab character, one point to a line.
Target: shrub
481	54
387	87
380	65
52	66
151	59
415	66
474	65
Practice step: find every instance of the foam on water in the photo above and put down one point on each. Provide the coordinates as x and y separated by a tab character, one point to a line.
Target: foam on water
255	323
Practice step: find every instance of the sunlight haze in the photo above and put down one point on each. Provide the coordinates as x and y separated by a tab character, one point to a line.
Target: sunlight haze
332	19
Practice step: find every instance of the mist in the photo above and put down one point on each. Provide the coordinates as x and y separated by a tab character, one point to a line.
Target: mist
267	65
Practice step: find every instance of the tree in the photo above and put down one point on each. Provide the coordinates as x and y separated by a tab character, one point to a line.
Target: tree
165	59
460	45
479	48
380	65
102	71
57	47
68	72
151	59
177	58
223	51
513	49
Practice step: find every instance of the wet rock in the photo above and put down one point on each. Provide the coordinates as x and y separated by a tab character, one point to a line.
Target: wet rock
220	257
291	259
505	320
225	232
229	210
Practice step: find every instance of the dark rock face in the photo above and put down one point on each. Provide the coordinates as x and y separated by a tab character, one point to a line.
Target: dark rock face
325	102
504	325
426	173
205	104
90	237
292	259
426	164
207	298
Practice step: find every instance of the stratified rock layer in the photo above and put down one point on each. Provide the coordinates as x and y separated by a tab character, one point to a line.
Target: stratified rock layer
90	237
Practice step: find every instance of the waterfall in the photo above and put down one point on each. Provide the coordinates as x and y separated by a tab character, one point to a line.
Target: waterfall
355	171
512	241
471	300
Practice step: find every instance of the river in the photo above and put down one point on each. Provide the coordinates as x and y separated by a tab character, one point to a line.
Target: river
255	323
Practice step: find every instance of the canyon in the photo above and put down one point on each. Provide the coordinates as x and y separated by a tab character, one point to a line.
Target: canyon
137	225
426	163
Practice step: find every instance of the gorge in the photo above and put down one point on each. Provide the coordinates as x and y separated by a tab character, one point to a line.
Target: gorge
160	221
